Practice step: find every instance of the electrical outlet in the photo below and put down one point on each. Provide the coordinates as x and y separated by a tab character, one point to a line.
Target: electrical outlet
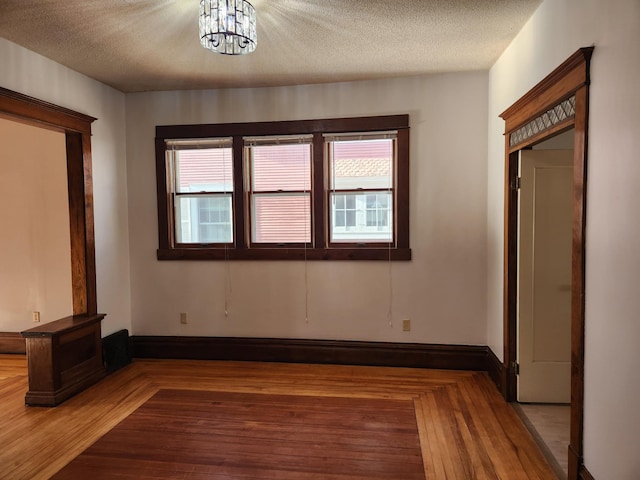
406	325
36	317
183	318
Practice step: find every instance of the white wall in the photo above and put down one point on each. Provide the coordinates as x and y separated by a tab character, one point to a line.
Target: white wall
26	72
34	244
612	386
442	290
456	218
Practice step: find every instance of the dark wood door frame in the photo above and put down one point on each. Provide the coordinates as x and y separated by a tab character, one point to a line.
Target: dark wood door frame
77	130
528	121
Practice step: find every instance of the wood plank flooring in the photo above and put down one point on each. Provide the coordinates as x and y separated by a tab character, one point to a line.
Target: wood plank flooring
466	430
551	423
192	434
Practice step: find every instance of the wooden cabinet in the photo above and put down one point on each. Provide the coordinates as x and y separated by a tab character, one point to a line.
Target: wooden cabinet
64	357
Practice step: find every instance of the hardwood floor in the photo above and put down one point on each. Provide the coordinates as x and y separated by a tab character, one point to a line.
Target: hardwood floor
551	422
465	428
198	435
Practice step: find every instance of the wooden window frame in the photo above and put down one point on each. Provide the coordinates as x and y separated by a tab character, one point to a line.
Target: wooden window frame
319	247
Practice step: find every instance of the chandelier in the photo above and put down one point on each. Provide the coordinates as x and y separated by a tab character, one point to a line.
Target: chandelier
228	26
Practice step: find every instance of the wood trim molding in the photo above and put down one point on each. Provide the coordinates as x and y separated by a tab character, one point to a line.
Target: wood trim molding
46	114
585	475
555	87
285	253
77	129
510	274
570	78
286	127
495	368
450	357
12	342
320	246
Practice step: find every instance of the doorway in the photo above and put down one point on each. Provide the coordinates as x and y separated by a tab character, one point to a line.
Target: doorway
545	191
77	131
555	105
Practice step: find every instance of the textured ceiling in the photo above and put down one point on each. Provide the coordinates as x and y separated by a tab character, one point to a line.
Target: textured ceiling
140	45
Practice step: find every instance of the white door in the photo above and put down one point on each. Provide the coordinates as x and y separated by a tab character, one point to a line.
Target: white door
544	276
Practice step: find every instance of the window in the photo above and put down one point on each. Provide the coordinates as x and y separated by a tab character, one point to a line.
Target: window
378	212
333	189
214	220
201	179
362	187
280	190
344	212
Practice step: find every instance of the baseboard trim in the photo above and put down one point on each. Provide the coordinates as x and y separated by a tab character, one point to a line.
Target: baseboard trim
495	368
451	357
584	474
12	342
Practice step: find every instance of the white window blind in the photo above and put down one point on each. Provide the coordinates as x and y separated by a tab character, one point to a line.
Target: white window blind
202	181
280	188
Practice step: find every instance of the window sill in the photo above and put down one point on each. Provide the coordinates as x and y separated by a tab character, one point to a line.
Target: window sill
283	253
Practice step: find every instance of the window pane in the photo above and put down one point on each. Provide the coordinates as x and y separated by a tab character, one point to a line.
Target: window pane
351	218
204	219
351	202
281	167
371	201
369	221
204	170
365	164
371	218
281	218
344	211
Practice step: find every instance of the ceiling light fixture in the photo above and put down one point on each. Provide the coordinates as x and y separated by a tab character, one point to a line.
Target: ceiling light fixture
228	26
